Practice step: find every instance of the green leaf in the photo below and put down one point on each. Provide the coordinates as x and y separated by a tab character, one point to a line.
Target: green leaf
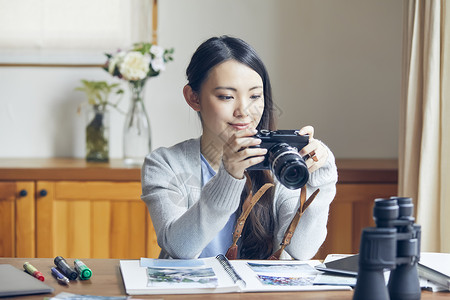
99	92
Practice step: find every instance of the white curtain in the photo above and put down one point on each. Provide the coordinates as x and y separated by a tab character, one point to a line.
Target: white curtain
424	158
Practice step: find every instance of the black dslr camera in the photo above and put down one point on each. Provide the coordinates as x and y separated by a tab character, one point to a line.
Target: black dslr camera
393	244
282	156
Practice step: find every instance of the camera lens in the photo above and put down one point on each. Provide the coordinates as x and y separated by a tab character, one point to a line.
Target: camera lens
293	175
288	166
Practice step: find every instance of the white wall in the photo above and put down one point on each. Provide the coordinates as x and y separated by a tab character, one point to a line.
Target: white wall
334	64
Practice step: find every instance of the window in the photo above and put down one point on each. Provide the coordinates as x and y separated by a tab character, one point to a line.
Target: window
70	32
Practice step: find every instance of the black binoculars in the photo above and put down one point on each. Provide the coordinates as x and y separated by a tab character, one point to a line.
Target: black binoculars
394	244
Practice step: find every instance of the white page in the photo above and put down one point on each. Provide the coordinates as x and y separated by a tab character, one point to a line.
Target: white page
437	261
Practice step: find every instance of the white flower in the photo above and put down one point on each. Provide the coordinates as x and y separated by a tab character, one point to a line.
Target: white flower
157	51
141	61
135	66
158	64
114	61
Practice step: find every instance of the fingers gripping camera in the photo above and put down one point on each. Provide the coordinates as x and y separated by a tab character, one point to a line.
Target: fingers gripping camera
282	156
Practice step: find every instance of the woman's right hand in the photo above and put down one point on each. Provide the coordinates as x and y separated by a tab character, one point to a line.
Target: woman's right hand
237	156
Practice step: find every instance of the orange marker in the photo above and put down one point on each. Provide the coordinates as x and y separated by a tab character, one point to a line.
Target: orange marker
33	271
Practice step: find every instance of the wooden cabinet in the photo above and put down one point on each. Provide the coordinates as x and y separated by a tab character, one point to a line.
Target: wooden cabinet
73	209
83	210
75	219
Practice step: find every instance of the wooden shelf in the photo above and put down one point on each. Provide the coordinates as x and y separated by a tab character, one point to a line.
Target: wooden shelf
67	169
350	170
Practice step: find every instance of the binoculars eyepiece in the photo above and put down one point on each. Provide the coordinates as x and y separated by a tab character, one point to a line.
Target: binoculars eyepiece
394	244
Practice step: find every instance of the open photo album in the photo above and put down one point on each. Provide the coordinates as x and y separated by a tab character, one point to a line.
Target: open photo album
220	275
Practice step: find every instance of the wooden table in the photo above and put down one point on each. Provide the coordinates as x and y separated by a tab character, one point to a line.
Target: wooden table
107	281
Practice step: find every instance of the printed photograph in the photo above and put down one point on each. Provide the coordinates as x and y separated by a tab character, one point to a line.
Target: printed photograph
284	274
283	268
189	277
286	281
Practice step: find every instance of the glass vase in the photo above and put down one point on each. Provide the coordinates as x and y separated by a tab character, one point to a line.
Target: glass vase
97	134
136	133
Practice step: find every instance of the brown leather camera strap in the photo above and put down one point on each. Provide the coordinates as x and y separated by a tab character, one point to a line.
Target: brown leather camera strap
247	206
293	225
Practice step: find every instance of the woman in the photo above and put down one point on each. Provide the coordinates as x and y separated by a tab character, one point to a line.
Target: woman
195	189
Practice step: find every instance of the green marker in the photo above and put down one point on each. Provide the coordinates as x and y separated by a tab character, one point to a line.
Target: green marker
82	269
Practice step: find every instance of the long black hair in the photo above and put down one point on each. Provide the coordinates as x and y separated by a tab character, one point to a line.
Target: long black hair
257	236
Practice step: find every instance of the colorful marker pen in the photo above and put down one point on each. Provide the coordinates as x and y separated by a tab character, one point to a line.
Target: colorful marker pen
59	276
65	268
82	269
33	271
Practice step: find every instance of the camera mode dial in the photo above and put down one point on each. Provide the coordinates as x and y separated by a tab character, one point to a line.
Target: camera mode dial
264	132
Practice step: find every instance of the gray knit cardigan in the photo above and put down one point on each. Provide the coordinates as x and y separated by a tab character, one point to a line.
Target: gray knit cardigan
186	217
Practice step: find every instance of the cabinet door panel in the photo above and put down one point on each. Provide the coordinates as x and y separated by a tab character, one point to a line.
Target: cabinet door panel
73	228
17	226
7	219
45	220
128	230
137	217
25	220
152	243
101	215
88	223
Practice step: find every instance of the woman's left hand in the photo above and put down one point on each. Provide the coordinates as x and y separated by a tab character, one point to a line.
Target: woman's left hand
315	152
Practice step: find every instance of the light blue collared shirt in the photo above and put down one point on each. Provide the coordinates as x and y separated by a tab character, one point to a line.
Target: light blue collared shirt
224	239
